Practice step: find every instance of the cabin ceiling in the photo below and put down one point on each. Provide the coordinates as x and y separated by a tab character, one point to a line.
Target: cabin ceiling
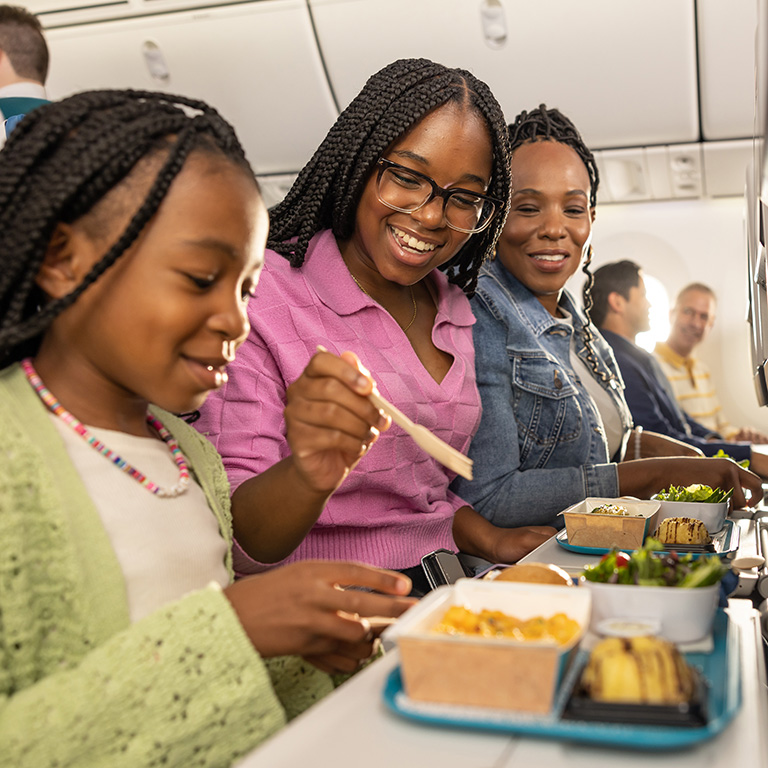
664	91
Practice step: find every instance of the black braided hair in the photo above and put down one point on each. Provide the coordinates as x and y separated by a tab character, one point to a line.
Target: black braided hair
61	160
329	187
542	124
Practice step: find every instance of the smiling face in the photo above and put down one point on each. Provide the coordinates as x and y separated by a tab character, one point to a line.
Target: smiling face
161	324
452	146
549	225
691	320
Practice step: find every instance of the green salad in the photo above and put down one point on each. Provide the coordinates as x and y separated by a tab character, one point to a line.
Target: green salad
721	454
695	492
651	568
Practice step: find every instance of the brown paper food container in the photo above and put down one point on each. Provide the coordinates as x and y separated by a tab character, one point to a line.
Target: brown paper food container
499	673
585	529
485	675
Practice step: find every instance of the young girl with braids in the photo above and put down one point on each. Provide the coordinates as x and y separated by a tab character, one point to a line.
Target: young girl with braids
555	425
132	233
414	175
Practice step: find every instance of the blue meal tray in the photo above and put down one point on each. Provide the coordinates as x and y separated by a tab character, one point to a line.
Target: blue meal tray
720	668
725	541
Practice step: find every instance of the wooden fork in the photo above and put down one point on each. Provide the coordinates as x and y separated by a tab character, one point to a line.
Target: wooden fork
432	444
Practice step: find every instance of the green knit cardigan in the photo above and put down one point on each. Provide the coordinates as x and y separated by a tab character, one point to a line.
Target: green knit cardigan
81	686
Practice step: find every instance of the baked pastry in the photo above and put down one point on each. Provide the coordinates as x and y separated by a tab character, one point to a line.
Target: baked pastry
540	573
682	530
637	670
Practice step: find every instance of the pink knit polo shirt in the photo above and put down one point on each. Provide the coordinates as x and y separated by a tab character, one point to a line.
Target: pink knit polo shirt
395	506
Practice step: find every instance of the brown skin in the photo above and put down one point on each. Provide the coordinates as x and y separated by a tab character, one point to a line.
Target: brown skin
330	422
644	477
549	226
653	445
300	609
211	228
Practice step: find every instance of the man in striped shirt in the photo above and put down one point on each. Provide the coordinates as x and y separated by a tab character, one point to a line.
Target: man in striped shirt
691	319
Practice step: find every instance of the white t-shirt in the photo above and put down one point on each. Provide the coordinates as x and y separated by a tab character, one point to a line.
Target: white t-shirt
166	547
607	410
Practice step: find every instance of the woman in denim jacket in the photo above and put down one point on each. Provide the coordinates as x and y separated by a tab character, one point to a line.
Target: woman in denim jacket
555	424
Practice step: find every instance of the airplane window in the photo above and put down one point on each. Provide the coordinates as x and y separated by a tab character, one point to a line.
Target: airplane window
659	315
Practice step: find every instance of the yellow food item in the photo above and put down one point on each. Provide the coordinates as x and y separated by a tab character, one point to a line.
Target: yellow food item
682	530
540	573
611	509
458	620
637	670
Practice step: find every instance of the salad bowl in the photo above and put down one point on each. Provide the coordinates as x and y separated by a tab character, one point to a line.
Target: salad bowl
679	594
699	502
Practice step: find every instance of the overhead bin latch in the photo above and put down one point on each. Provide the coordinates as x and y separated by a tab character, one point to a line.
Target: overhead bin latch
494	23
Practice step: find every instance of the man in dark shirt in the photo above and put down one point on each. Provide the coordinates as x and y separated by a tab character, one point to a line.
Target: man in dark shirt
620	311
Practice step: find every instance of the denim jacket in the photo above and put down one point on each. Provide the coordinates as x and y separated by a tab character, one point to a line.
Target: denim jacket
540	446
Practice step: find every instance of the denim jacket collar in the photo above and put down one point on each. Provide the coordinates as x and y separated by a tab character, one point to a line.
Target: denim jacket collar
531	311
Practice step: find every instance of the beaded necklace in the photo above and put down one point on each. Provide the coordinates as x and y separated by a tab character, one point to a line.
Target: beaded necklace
58	409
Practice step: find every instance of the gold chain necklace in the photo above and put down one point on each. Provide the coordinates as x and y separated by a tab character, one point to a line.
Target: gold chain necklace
413	300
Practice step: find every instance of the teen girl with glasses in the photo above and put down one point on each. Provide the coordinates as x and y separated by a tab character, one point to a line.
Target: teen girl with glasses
412	179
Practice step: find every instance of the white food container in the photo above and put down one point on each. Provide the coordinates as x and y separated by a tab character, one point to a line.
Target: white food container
685	614
712	515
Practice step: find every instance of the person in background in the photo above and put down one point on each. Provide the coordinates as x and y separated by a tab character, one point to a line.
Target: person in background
620	310
23	65
691	319
412	177
555	426
132	235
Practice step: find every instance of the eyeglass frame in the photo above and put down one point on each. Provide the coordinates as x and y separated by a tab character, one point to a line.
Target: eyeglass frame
437	191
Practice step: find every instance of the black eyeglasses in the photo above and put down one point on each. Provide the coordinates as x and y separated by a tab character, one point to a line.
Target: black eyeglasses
406	190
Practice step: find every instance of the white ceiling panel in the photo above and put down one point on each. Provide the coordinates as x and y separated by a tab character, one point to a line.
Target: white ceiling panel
625	72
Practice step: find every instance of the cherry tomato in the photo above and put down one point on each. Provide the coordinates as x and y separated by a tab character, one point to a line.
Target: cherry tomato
622	558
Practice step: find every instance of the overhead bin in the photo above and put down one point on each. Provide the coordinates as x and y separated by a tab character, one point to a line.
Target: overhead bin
624	72
726	34
257	63
277	69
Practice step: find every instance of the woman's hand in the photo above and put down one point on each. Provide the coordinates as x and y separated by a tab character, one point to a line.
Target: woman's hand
644	477
300	609
653	444
477	536
330	423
